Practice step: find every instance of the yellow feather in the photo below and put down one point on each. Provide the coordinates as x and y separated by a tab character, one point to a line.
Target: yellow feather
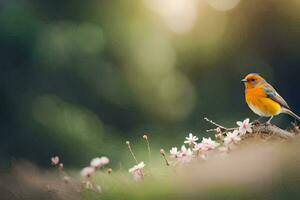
259	103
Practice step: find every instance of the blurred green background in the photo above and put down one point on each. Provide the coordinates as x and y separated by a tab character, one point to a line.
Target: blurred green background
79	78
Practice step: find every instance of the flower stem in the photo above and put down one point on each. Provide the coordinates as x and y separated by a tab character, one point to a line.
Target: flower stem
129	147
148	147
162	152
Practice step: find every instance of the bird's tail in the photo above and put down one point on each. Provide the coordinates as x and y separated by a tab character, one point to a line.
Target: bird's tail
289	112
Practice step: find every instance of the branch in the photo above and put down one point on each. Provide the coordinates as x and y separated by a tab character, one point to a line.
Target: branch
219	127
257	128
272	129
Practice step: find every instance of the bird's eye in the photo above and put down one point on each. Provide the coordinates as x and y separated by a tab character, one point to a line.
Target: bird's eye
252	80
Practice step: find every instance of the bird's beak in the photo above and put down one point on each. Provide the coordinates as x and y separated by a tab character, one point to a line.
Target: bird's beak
244	80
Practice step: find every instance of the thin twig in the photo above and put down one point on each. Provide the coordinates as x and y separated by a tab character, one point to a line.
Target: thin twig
214	123
148	147
218	126
162	152
129	147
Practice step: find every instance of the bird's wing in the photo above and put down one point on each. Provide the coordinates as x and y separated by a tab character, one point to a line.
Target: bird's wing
272	94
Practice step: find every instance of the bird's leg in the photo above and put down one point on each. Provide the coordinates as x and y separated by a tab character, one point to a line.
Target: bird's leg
269	121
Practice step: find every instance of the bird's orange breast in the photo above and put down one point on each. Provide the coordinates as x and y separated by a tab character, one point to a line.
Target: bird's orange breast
260	103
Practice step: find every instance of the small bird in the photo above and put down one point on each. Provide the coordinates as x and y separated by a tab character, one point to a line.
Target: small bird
263	99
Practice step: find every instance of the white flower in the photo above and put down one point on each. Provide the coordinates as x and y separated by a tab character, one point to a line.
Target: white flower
137	167
104	160
244	126
191	139
207	144
185	155
137	171
185	151
199	147
55	160
96	162
174	152
87	172
232	138
99	162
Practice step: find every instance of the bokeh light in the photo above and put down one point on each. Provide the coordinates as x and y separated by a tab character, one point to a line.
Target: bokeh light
67	123
65	42
223	5
179	15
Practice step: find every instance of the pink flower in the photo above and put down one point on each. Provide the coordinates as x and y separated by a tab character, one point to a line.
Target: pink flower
55	160
232	138
185	155
99	162
206	145
137	171
174	152
191	139
244	126
104	160
96	162
87	172
200	147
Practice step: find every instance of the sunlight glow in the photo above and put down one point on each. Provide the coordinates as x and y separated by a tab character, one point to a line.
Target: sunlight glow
223	5
179	15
